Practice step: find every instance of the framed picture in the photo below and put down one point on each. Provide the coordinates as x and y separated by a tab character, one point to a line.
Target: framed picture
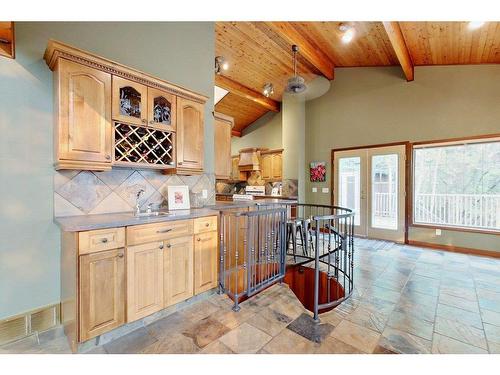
317	171
178	198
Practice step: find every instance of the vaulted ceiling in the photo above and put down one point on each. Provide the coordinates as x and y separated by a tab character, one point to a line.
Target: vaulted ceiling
260	53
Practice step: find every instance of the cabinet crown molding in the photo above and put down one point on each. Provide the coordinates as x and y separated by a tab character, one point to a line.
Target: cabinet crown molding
56	50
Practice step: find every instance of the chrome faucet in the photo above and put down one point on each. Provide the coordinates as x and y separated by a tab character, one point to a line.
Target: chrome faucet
137	197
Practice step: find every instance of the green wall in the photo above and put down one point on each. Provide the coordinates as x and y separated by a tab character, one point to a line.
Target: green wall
182	53
376	105
265	132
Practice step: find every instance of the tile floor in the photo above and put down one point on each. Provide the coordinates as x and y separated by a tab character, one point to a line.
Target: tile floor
407	300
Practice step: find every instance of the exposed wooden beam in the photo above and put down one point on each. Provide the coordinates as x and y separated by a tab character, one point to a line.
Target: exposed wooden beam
245	92
310	52
236	133
398	43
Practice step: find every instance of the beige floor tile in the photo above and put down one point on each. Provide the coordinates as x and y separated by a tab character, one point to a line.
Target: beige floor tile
360	337
173	344
232	319
492	333
461	303
332	345
403	342
134	342
459	315
368	318
216	347
269	321
461	332
445	345
411	324
206	331
245	339
490	317
288	342
494	348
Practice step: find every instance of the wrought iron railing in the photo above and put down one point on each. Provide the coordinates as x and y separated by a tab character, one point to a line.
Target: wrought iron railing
309	240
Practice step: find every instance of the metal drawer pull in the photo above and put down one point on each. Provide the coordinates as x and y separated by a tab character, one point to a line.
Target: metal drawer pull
198	239
161	246
169	246
104	240
120	255
207	224
163	230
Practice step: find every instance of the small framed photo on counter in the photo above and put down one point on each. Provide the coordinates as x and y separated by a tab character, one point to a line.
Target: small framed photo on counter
178	198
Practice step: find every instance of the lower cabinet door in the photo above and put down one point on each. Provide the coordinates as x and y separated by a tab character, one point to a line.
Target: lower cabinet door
205	262
102	292
178	269
144	280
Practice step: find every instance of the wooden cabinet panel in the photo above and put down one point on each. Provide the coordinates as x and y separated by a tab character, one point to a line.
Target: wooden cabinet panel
129	101
277	168
84	110
266	166
190	136
178	269
161	109
102	239
205	224
205	262
102	292
145	233
144	280
222	138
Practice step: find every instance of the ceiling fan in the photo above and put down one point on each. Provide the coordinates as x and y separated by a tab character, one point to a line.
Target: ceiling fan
296	84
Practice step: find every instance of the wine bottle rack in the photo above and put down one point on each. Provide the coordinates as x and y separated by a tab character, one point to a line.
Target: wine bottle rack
143	147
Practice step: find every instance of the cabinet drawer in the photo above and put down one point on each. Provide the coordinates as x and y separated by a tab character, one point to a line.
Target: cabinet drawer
138	234
205	224
102	239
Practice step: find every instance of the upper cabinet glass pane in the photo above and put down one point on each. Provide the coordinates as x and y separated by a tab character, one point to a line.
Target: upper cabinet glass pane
130	102
162	110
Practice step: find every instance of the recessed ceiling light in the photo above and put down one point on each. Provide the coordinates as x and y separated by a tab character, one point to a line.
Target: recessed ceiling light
268	90
348	32
220	64
473	25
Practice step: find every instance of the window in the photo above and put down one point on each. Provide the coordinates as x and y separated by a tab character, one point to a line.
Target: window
457	185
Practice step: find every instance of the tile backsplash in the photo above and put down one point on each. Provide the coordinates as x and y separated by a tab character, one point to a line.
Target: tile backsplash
85	192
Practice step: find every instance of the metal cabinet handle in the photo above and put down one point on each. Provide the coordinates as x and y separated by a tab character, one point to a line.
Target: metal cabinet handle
120	255
198	239
104	240
144	121
161	247
207	224
163	230
169	246
151	122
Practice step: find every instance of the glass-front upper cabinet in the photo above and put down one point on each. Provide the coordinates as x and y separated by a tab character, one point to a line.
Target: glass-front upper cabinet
129	101
161	109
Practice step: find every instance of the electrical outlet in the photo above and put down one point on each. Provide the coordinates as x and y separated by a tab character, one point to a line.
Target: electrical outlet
438	232
204	193
325	190
315	189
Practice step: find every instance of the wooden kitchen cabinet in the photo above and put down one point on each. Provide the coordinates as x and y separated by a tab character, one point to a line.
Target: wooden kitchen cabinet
162	111
271	164
102	292
129	101
222	141
83	134
205	261
178	269
190	136
145	284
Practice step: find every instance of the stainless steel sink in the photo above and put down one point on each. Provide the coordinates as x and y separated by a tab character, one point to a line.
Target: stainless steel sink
152	214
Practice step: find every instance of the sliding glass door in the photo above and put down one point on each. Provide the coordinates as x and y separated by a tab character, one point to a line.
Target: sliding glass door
371	181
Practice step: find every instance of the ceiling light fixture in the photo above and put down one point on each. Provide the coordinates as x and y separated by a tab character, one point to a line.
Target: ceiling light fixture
220	64
296	84
268	90
473	25
348	32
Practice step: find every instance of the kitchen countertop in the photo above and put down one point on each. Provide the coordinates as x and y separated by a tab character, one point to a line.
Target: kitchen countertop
102	221
265	196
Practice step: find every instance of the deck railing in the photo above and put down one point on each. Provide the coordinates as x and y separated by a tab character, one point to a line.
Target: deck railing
463	210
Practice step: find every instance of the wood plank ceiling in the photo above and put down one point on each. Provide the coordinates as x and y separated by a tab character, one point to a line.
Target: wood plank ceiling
260	52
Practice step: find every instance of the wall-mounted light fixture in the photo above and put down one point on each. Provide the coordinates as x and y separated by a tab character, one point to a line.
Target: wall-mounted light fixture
348	32
221	64
268	90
